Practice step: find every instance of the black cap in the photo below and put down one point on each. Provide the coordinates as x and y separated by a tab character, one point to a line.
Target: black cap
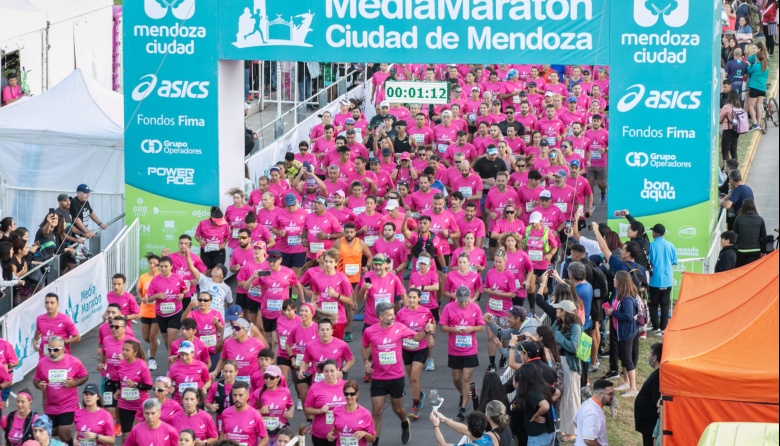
62	197
530	348
91	388
274	255
659	229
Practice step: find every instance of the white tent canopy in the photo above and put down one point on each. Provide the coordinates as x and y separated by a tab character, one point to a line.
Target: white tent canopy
52	142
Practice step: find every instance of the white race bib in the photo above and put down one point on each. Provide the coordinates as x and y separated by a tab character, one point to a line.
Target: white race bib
293	240
345	440
595	155
580	152
466	191
328	415
359	210
399	237
167	308
518	285
255	290
130	394
536	255
419	138
352	269
316	247
243	379
529	207
271	423
380	298
235	232
516	99
496	304
411	344
463	341
527	139
185	386
551	140
562	206
299	359
108	398
371	239
282	342
211	247
58	375
387	358
209	340
425	297
442	147
319	377
330	307
274	305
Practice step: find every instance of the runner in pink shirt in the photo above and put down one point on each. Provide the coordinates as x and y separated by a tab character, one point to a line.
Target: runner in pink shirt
509	222
320	228
390	245
111	354
552	128
527	119
241	422
379	286
126	301
462	276
597	155
212	234
322	399
540	243
235	214
368	224
266	211
555	86
384	181
378	85
276	288
583	192
519	178
188	373
161	390
322	147
552	217
325	347
461	320
342	213
519	264
288	228
476	255
563	196
493	84
92	422
167	290
511	88
498	197
285	326
318	131
218	397
571	114
445	133
179	264
461	145
352	420
209	324
54	323
241	348
332	291
343	113
501	289
529	194
367	179
421	132
426	280
153	431
470	223
515	144
243	252
443	223
133	384
382	347
416	354
58	377
198	421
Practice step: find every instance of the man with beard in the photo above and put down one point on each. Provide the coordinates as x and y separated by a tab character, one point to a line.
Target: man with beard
353	251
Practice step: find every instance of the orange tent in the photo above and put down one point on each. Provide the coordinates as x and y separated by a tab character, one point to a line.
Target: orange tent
721	351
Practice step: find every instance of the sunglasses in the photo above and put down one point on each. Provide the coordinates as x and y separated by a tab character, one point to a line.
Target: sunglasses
236	328
269	377
55	349
350	394
116	327
564	147
243	237
509	212
159	390
204	300
522	165
509	112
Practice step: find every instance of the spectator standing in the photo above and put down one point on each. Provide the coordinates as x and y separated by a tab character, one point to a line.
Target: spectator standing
646	404
11	92
81	210
567	330
663	257
727	258
751	233
622	315
769	24
733	201
729	136
590	420
758	72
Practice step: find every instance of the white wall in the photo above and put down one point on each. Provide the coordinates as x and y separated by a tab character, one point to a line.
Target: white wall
30	47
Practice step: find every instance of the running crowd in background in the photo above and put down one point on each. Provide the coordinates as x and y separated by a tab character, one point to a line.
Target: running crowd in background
62	232
429	219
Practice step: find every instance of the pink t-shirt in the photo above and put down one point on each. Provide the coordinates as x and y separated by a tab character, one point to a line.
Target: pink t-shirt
284	329
395	250
172	286
320	394
340	283
469	186
564	199
535	246
582	189
475	226
372	225
245	273
180	269
552	217
326	223
599	139
316	353
422	136
242	256
300	337
292	223
496	201
200	422
60	399
440	222
477	257
551	129
266	217
17	431
527	198
211	397
169	409
416	320
518	180
461	344
427	298
519	264
138	372
470	280
503	282
126	302
60	325
235	218
112	350
277	401
386	345
105	330
193	375
421	201
443	137
509	87
141	435
99	422
276	288
206	331
213	236
7	353
347	423
503	226
383	289
245	355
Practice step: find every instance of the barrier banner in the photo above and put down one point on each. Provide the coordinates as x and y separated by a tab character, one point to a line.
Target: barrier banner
425	31
82	294
171	109
663	118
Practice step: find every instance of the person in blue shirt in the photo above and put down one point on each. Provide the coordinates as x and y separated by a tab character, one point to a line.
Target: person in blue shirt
629	254
733	201
579	278
663	256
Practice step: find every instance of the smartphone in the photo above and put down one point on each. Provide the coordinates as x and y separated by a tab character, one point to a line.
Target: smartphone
550	267
620	213
51	210
263	273
367	280
606	306
568	225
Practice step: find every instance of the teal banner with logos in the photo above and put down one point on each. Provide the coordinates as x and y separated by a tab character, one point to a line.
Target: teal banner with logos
663	117
424	31
171	109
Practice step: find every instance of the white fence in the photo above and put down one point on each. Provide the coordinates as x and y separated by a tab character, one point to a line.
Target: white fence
82	295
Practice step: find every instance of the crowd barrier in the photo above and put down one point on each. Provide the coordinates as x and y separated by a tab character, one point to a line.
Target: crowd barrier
82	295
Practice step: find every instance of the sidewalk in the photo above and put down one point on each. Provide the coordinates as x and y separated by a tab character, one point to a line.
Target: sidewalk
762	177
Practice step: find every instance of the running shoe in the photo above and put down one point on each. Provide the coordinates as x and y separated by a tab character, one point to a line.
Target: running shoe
406	433
117	429
611	375
462	413
502	362
429	366
630	394
622	387
422	401
755	127
594	368
348	337
152	364
415	413
299	407
491	368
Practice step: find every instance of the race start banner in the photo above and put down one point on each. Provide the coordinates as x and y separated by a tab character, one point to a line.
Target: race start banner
663	111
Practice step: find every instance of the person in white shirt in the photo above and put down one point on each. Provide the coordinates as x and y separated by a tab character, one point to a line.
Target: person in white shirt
590	421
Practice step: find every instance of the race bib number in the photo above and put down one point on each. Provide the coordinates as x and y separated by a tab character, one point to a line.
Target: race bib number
415	215
209	340
442	147
380	298
580	152
562	206
274	305
235	232
243	379
425	297
386	358
130	394
293	240
108	398
529	206
185	386
352	269
329	416
254	290
419	138
271	423
58	375
167	308
319	377
463	341
551	140
86	442
466	191
411	344
330	307
299	359
359	210
345	440
473	117
316	247
371	239
595	155
399	237
527	139
211	247
282	342
496	304
536	255
516	99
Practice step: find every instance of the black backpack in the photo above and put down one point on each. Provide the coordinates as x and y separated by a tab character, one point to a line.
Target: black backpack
598	281
28	434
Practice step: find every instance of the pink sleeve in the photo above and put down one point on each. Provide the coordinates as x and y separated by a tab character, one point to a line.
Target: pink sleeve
198	231
199	265
134	309
204	358
348	356
211	428
448	285
211	393
478	285
130	441
73	330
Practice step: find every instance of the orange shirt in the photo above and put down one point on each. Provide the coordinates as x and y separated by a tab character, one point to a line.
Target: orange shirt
147	310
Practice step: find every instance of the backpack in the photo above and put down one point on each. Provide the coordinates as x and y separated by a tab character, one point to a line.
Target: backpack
739	120
754	18
642	313
598	281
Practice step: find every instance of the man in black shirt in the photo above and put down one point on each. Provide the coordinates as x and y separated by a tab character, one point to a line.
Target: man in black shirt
646	403
488	167
80	210
509	111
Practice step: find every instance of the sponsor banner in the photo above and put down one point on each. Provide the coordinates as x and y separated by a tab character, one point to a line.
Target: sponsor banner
430	31
171	113
661	131
82	294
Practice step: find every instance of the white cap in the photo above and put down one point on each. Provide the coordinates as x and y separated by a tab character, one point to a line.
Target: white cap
535	217
446	113
549	93
424	260
391	204
384	104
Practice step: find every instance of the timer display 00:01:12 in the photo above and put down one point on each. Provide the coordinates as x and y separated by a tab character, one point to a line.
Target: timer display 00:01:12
430	92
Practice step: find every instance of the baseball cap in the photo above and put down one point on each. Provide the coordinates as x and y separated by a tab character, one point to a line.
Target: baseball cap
549	93
572	99
43	422
560	173
386	152
378	260
545	194
492	151
83	188
586	72
659	229
511	73
349	121
258	244
530	348
518	311
243	323
62	197
535	217
405	156
532	84
340	193
566	305
424	260
274	255
373	159
462	293
391	204
186	347
290	200
496	102
523	93
474	88
311	181
273	370
384	104
446	113
575	163
91	388
232	313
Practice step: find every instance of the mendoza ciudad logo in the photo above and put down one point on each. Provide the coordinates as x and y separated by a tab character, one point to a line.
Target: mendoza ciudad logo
665	47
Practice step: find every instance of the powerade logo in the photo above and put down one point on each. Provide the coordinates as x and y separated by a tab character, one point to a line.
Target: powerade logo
659	99
154	146
673	12
657	191
170	89
177	176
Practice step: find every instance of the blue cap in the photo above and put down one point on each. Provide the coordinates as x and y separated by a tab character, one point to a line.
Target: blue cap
232	313
83	188
290	200
511	73
575	163
572	99
560	173
43	422
349	121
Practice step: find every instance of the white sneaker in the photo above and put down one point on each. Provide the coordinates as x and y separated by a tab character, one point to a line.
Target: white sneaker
299	407
429	365
152	364
622	387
